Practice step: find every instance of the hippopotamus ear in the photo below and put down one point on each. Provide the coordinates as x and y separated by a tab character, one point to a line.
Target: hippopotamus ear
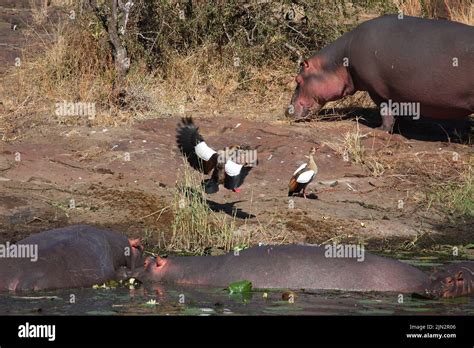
305	64
136	243
147	261
459	276
157	260
160	262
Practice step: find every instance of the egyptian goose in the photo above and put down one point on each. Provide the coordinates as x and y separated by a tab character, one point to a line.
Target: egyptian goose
204	159
303	175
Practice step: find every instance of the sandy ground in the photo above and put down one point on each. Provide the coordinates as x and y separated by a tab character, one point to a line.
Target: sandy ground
89	166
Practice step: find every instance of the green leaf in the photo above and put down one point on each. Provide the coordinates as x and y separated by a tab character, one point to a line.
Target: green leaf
240	287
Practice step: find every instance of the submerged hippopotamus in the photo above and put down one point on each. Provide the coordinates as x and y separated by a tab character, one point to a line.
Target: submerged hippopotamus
452	280
409	66
301	267
69	257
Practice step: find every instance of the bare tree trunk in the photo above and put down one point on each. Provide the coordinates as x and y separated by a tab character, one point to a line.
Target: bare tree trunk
109	15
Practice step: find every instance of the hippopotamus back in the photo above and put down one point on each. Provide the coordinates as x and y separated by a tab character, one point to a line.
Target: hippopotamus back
307	267
73	256
289	266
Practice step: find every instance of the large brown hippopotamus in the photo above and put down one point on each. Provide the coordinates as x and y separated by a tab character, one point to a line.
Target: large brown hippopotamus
305	267
69	257
309	267
409	66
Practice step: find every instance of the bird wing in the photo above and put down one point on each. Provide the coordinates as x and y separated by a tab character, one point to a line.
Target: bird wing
192	145
235	174
305	177
300	168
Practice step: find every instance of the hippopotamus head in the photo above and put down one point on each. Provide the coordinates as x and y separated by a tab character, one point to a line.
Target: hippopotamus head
317	83
154	270
452	281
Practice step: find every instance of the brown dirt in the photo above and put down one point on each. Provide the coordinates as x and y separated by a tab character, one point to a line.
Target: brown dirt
60	163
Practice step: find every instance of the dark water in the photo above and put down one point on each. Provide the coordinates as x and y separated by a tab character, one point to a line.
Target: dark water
178	300
208	301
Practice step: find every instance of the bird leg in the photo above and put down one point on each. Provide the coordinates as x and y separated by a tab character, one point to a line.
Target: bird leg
237	190
304	193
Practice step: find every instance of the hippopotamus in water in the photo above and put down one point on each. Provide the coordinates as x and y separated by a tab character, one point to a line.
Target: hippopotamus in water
302	267
409	66
453	280
69	257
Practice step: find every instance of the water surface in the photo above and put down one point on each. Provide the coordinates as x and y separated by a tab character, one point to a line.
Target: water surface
191	300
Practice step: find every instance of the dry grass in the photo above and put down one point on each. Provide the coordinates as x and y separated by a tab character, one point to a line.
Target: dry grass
464	14
65	64
39	11
74	67
195	227
351	148
455	196
409	7
446	182
352	145
456	10
200	80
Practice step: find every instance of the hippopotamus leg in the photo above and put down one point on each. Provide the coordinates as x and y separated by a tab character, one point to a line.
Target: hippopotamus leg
388	120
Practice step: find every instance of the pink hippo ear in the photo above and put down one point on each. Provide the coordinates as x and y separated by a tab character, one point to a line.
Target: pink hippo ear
160	262
157	261
315	64
147	262
136	243
459	276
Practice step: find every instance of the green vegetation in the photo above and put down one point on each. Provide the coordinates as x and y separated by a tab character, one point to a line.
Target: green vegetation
240	287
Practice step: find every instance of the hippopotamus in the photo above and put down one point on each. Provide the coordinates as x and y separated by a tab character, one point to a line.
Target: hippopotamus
69	257
453	280
303	267
409	66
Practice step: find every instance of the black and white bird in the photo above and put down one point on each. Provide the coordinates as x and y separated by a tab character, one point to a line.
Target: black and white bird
206	160
303	175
